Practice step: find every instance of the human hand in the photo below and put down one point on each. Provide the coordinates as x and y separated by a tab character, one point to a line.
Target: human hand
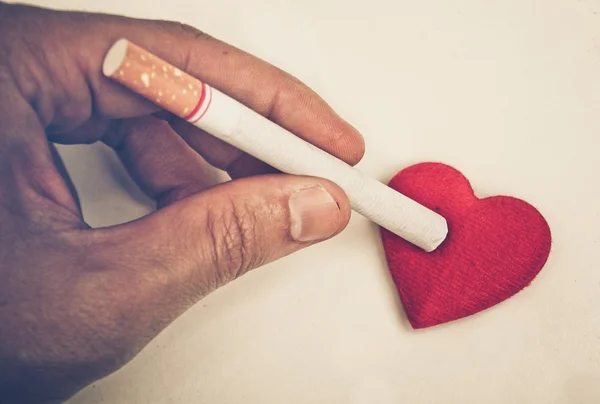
77	303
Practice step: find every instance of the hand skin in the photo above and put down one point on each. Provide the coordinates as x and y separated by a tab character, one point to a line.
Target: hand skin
78	303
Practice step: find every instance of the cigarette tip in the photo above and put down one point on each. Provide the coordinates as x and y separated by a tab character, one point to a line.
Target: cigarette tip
442	233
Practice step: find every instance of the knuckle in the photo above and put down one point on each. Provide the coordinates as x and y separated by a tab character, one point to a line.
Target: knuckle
73	106
178	28
232	230
184	31
192	31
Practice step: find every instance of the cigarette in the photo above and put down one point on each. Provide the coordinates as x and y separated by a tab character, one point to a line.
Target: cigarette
229	120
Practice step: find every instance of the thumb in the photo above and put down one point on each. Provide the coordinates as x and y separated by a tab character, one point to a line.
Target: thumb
208	239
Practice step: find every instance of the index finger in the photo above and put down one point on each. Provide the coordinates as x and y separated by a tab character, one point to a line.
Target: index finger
255	83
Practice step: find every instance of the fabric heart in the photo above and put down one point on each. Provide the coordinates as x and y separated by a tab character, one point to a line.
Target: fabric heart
495	247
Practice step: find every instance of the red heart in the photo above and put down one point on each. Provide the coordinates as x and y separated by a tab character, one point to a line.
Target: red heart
495	247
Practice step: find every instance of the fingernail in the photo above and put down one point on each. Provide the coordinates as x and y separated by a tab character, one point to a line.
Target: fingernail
314	213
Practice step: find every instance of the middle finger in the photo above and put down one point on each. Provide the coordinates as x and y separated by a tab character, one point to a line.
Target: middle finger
160	162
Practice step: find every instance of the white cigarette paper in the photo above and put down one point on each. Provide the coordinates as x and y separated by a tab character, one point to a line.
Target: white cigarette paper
240	126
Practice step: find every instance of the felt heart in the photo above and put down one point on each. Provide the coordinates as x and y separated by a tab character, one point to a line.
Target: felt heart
495	247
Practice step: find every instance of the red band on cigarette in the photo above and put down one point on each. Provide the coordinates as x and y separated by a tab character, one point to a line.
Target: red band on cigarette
206	97
198	105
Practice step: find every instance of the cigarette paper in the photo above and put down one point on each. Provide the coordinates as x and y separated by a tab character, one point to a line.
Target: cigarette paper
227	119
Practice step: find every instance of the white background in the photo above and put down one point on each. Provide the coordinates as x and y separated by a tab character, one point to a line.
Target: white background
507	91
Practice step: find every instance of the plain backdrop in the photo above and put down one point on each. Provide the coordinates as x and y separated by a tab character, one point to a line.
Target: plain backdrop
507	91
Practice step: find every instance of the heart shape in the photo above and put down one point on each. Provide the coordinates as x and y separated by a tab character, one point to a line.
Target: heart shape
495	247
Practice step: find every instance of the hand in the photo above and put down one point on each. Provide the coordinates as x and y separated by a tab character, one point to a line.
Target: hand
77	303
